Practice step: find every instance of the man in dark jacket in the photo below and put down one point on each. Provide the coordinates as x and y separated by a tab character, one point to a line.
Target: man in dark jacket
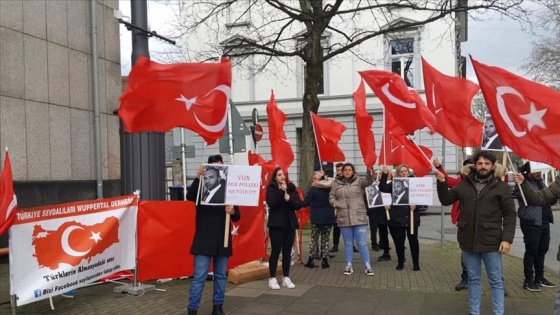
535	225
486	226
208	245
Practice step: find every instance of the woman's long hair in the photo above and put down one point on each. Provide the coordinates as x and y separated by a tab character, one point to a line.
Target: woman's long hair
272	179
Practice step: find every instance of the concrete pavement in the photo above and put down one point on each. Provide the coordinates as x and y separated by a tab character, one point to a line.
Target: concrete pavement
320	291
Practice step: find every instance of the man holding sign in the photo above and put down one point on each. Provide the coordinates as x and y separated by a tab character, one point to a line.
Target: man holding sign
208	244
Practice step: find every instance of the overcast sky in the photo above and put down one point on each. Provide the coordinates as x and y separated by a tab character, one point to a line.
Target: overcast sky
494	41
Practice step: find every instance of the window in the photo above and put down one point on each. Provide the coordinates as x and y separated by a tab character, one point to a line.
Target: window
402	59
322	85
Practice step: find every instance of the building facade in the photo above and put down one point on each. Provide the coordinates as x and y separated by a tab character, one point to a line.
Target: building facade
46	111
399	52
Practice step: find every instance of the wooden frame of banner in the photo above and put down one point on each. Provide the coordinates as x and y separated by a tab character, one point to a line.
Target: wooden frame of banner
411	221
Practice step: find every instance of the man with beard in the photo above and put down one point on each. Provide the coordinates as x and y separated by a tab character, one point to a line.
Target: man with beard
486	226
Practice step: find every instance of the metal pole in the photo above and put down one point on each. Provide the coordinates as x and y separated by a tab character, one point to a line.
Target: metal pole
230	132
95	100
442	214
142	154
184	162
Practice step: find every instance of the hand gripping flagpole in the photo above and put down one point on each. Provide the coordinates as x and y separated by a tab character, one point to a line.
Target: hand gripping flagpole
515	172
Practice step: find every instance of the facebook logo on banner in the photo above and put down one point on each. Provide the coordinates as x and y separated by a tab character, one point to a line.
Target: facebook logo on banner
37	293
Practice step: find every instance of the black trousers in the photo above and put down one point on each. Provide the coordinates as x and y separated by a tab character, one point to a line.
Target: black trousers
537	240
373	228
399	233
335	235
383	237
281	240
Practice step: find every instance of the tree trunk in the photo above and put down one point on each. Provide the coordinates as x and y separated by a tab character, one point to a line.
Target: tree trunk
310	103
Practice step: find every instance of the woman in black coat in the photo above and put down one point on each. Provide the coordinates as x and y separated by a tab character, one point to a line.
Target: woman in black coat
399	223
282	200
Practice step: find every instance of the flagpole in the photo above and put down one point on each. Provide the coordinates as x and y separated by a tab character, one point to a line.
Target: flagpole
515	172
230	142
423	154
384	139
184	157
316	143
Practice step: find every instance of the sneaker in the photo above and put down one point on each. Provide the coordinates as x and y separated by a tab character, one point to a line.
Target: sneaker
286	282
384	257
531	286
463	285
69	294
369	271
348	270
273	284
544	283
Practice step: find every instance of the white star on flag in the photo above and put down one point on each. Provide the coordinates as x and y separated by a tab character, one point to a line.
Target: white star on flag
188	101
235	230
534	117
95	236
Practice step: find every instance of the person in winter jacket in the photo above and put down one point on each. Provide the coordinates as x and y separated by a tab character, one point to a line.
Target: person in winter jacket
282	200
535	225
546	196
322	220
452	181
399	224
486	226
347	196
208	245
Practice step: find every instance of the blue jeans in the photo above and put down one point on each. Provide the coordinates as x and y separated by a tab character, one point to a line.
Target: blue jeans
201	267
357	233
493	265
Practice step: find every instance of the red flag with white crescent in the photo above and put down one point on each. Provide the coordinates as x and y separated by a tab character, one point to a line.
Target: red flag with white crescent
525	113
190	95
8	200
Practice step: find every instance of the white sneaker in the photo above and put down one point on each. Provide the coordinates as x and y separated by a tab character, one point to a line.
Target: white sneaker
273	284
286	282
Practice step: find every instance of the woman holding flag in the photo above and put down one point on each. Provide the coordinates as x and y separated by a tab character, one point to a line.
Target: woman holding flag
347	197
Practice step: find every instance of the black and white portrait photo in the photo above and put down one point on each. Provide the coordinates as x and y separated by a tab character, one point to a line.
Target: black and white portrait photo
490	139
214	184
374	197
400	191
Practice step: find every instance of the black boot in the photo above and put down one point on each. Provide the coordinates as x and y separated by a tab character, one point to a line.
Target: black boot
217	310
325	263
310	263
192	312
334	249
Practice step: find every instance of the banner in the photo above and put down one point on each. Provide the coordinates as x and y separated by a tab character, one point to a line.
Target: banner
57	248
413	191
231	184
166	231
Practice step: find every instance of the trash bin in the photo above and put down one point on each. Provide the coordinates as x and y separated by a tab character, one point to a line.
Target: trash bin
176	192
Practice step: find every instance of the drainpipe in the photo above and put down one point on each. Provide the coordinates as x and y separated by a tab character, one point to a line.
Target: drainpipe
95	100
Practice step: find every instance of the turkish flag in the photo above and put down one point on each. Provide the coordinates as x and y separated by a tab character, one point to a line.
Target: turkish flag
8	200
248	235
327	134
397	148
449	98
403	103
526	114
280	148
190	95
364	123
267	166
73	242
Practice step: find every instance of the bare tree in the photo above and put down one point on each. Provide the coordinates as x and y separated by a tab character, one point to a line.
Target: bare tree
543	65
274	32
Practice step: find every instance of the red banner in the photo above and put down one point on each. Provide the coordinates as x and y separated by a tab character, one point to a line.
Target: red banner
165	234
